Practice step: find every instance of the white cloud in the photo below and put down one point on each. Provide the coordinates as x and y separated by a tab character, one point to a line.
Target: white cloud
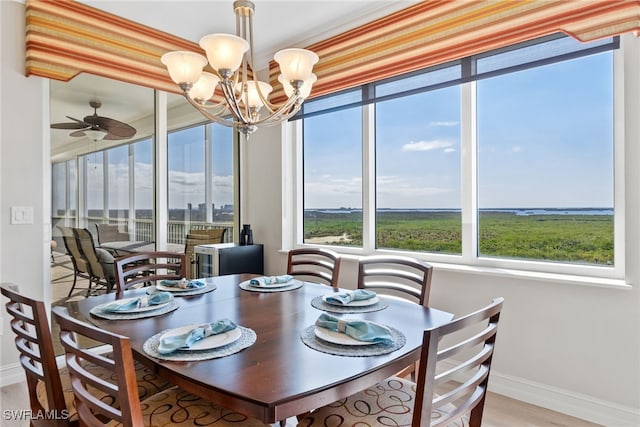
446	124
427	145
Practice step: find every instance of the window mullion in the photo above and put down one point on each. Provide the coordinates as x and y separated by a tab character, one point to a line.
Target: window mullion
468	167
105	181
208	173
368	179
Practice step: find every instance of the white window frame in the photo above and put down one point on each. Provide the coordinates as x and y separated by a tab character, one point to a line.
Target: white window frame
625	64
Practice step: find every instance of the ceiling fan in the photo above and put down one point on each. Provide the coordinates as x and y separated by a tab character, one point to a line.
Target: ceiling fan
97	127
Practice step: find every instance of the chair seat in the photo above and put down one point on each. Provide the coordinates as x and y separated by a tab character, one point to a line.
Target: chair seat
388	403
148	384
176	407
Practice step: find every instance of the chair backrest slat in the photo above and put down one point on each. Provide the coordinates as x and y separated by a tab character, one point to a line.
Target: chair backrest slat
396	275
467	372
123	389
318	263
146	267
35	345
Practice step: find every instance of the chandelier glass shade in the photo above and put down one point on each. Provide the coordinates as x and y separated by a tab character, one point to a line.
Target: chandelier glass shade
245	104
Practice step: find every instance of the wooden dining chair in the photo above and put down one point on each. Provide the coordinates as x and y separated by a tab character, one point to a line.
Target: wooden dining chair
173	406
49	387
451	386
314	264
401	276
398	276
146	268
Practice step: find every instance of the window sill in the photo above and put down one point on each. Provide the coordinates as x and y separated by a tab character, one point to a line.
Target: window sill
515	273
564	278
570	279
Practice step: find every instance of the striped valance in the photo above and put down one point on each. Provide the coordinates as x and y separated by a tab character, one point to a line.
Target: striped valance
65	38
437	31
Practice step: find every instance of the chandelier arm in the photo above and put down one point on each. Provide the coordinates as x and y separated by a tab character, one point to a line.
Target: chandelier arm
285	112
232	103
221	106
286	106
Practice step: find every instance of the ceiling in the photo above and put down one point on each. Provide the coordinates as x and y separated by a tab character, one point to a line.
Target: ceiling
277	25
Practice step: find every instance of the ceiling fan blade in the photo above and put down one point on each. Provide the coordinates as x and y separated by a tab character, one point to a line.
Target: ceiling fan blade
77	120
77	133
69	125
113	126
112	137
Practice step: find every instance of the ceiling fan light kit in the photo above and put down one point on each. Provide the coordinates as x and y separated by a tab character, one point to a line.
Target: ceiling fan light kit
97	127
234	73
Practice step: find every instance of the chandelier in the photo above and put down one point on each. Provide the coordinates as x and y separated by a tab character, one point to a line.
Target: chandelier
245	105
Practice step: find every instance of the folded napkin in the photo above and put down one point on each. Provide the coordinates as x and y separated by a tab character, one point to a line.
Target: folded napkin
361	330
182	284
350	296
172	343
143	301
270	280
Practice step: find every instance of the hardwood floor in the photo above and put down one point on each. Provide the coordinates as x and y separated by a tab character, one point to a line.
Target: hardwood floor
500	411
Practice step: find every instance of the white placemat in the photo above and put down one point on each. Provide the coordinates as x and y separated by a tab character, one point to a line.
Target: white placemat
308	337
320	304
96	311
294	285
187	292
247	339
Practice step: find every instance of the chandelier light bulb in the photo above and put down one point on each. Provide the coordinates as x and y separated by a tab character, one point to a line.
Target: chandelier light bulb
184	66
296	64
204	88
304	90
224	51
253	97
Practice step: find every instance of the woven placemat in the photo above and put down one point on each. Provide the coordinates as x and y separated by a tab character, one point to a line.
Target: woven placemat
309	337
187	292
320	304
247	287
247	339
97	311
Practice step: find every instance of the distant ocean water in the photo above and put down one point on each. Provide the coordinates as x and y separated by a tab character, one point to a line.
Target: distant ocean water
516	211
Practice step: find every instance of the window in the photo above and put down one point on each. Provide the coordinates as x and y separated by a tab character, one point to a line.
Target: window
418	172
333	178
63	194
142	226
117	179
502	157
545	162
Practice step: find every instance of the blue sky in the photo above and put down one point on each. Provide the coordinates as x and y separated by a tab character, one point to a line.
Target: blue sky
544	140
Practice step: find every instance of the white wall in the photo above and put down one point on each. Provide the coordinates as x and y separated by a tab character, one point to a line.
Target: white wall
24	175
572	348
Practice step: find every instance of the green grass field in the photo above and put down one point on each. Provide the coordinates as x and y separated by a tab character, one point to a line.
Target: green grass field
564	238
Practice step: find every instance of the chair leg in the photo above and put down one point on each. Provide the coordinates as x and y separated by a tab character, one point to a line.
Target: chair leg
75	278
89	288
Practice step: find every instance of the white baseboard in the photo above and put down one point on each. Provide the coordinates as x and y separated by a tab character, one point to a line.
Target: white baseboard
11	374
567	402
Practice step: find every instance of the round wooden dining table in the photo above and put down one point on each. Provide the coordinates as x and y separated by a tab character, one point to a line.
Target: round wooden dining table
278	376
